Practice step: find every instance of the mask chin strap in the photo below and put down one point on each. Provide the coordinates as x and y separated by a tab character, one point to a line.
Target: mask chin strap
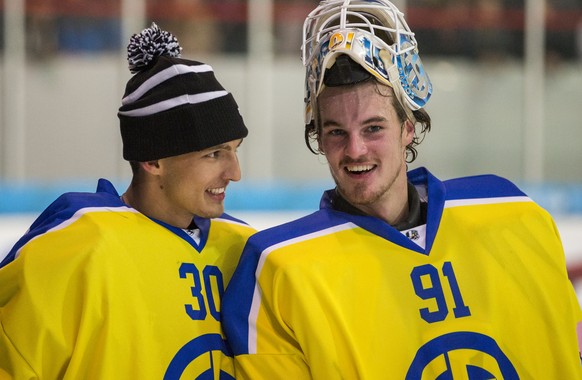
394	76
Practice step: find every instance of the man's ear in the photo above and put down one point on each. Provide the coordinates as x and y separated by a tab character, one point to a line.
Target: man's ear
408	131
152	167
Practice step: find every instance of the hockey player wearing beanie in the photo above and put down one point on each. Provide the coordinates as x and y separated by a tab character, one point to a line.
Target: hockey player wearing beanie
110	286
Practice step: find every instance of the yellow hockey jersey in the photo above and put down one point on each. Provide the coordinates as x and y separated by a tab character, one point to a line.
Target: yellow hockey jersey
340	296
96	290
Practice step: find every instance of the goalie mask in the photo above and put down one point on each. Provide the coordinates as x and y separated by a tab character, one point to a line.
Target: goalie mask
374	35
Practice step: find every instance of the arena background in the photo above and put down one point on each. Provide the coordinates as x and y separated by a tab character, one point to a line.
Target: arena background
507	89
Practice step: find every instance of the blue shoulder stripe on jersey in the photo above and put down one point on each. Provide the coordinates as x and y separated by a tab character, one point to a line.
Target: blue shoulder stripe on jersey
473	187
63	208
314	222
483	186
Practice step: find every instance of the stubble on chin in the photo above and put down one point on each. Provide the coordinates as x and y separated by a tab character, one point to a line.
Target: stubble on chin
357	194
361	195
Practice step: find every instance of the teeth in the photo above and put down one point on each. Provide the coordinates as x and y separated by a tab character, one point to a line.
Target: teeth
217	191
359	168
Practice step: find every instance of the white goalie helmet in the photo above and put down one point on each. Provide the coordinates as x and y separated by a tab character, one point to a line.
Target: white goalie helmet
374	34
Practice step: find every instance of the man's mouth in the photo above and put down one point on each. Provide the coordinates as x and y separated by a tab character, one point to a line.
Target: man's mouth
217	191
359	169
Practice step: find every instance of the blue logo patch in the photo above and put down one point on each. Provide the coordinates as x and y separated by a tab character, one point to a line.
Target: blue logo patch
461	355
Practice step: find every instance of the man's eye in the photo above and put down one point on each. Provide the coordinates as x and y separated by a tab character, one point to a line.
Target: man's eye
336	132
212	154
374	128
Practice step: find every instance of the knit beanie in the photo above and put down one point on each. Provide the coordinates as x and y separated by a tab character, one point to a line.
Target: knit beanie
171	105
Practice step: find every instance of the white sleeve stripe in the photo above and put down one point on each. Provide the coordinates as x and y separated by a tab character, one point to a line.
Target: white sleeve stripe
482	201
163	76
256	302
76	216
174	102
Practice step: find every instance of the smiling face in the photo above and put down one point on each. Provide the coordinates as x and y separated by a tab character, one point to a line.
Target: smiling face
364	142
195	183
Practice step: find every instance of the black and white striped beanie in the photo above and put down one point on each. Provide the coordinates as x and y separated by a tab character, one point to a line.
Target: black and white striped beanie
171	105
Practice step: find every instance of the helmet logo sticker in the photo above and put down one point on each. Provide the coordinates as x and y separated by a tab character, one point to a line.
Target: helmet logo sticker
413	78
372	56
338	41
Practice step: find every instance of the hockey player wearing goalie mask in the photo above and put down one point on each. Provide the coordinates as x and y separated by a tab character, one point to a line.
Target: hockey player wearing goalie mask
399	275
110	286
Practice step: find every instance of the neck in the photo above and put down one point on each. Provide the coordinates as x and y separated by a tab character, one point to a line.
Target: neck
148	198
392	206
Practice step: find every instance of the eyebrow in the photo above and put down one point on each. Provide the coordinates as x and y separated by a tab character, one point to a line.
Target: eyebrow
374	119
224	146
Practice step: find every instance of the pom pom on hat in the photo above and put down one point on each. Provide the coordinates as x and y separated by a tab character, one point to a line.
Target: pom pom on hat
152	42
172	105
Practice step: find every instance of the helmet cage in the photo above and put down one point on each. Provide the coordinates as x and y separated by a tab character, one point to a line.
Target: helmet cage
375	35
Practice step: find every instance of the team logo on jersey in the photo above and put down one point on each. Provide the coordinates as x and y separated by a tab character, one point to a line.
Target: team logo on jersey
412	234
461	355
198	358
